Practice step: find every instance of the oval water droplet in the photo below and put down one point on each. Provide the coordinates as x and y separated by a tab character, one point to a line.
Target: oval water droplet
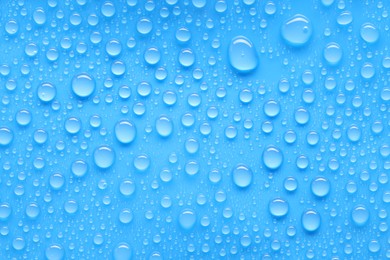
242	54
187	219
311	220
360	215
297	30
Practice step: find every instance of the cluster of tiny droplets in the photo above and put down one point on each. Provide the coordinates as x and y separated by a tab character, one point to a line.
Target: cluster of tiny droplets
194	129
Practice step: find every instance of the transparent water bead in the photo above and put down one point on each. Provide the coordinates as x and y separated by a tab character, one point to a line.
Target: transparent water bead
242	54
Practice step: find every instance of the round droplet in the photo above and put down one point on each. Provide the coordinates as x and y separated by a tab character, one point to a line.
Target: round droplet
354	133
333	53
6	136
320	187
164	126
246	96
144	89
187	219
345	18
123	251
183	35
71	207
54	252
271	108
108	9
32	210
302	116
242	54
290	184
127	188
191	145
118	68
297	30
104	157
186	57
72	125
57	180
18	243
23	117
142	162
242	176
272	158
83	85
367	71
113	47
5	211
369	33
46	92
125	216
125	131
11	27
360	215
311	220
278	208
144	26
152	56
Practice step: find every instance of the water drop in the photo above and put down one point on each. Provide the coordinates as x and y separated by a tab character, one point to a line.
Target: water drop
186	57
242	176
152	56
187	219
122	251
125	131
141	162
56	181
46	92
164	126
297	30
5	211
311	220
272	158
83	85
54	252
278	207
242	54
360	215
333	53
320	187
6	136
369	33
23	117
113	47
104	157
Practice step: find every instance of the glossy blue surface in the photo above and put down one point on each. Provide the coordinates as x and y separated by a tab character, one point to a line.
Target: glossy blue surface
194	129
